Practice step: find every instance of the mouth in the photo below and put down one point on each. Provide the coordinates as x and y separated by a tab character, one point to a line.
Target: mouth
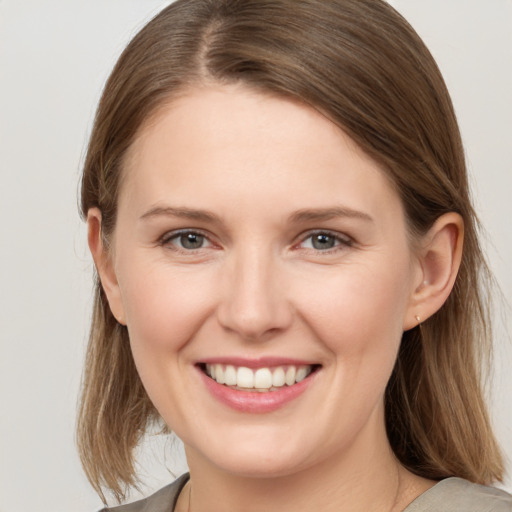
262	379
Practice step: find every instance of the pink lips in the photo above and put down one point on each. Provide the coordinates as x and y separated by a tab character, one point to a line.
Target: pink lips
255	401
255	363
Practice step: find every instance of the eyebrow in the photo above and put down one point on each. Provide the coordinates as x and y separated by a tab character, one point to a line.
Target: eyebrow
182	212
321	214
305	215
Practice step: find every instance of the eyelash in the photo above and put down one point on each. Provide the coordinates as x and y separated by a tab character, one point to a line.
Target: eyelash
340	241
168	238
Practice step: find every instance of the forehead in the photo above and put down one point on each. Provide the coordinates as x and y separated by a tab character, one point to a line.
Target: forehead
234	141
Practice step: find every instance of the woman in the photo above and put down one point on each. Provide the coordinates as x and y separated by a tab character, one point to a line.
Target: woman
289	271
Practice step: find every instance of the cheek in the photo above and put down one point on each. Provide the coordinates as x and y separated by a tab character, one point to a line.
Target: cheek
359	309
163	308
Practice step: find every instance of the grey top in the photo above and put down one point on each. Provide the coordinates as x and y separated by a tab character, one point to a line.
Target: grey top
458	495
449	495
163	500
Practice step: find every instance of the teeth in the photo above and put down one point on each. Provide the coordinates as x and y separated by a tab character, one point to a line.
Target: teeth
230	377
261	379
289	376
302	373
219	374
278	377
244	377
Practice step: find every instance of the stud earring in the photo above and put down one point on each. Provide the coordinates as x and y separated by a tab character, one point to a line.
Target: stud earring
121	321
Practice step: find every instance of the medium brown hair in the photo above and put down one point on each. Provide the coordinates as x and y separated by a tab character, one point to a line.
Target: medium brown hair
362	65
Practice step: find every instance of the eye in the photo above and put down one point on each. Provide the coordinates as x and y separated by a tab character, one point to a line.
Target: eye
324	240
186	240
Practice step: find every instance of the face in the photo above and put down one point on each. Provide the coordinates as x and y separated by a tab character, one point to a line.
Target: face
262	265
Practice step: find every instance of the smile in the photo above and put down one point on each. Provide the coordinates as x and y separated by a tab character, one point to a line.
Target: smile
258	379
257	386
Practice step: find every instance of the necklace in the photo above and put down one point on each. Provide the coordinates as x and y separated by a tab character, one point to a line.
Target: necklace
184	496
393	505
398	485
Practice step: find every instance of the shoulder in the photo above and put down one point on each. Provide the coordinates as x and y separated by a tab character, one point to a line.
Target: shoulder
457	495
163	500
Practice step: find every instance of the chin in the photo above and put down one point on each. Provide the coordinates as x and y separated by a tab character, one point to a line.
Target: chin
253	454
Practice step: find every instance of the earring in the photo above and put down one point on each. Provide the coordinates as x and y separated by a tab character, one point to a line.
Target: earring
121	321
418	319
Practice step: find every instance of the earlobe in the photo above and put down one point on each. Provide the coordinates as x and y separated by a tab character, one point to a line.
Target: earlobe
104	265
439	259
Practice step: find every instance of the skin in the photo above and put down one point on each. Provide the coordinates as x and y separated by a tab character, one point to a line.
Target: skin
257	286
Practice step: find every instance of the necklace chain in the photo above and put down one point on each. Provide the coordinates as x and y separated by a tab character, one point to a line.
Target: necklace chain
398	485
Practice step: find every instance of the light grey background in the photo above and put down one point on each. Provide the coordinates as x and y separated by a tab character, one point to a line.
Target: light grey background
54	58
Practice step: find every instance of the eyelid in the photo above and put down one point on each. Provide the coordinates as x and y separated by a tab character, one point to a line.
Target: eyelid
343	239
166	238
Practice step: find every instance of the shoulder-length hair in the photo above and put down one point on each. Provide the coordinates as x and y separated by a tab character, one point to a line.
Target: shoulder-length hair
361	65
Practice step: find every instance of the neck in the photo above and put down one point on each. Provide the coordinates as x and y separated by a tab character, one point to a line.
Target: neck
360	479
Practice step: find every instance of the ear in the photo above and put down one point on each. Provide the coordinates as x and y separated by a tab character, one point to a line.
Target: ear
439	256
104	264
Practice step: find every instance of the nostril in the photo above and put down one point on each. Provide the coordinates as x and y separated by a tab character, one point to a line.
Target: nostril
255	322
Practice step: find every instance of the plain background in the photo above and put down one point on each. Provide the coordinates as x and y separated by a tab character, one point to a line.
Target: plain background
54	58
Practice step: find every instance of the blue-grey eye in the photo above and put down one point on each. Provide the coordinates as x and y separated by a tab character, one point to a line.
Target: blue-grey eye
323	241
191	240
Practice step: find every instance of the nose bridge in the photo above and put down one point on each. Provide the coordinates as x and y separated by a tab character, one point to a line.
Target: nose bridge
254	302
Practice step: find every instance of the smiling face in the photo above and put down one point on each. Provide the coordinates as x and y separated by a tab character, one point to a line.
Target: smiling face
257	244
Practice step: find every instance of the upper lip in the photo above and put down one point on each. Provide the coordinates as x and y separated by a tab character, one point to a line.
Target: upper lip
260	362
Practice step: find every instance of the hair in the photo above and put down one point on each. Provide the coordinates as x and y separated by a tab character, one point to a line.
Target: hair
361	65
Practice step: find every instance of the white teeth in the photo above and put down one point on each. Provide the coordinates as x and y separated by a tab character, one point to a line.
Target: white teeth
219	374
230	376
290	376
261	378
301	374
278	379
244	377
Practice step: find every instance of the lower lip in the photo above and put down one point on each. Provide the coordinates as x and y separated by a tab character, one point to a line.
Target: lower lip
254	401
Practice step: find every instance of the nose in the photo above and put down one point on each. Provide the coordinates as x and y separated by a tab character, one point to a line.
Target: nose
254	301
